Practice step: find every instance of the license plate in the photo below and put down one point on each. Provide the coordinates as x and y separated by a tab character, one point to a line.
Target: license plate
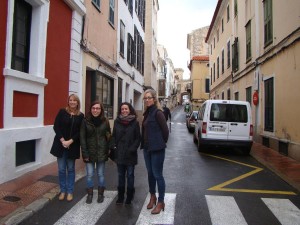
217	129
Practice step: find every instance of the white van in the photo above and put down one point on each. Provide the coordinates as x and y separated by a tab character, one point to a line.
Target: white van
224	123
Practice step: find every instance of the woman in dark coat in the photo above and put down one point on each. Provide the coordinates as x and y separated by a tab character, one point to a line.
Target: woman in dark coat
66	145
126	137
155	134
95	136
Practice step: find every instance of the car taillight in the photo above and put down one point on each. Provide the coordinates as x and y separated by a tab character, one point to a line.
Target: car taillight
204	126
192	119
251	130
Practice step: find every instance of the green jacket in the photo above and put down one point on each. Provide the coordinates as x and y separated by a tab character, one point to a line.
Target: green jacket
95	140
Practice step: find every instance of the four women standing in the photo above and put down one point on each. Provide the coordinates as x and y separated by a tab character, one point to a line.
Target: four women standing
66	145
95	141
126	137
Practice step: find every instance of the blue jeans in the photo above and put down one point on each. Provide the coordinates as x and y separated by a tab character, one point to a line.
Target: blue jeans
154	161
66	173
90	168
122	169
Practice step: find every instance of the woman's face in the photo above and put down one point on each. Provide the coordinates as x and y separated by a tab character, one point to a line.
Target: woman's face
125	110
149	100
73	104
96	110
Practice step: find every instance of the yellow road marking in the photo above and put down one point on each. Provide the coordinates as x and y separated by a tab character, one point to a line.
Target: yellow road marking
221	187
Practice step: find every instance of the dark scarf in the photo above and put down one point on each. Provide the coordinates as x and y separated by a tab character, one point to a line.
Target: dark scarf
126	119
96	120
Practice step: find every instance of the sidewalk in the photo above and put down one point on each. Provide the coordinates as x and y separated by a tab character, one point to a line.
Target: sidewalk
22	197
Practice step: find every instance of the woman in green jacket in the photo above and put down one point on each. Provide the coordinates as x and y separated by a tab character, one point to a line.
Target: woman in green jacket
94	139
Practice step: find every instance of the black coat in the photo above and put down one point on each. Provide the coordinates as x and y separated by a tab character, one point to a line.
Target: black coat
127	139
68	127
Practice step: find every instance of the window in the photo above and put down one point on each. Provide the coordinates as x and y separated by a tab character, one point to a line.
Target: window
222	25
130	49
268	23
214	42
214	72
218	66
25	152
211	49
236	96
222	61
112	11
21	36
235	55
96	3
249	95
139	51
218	35
269	105
120	90
235	8
223	95
228	54
229	113
102	90
228	94
140	11
228	13
206	85
122	37
211	74
130	7
248	41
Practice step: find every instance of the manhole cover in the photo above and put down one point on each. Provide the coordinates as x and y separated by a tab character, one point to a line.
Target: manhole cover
11	198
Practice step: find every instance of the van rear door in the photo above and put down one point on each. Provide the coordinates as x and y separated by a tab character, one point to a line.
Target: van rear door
239	124
217	126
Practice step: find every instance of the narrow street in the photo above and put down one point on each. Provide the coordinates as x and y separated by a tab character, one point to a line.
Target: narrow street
221	186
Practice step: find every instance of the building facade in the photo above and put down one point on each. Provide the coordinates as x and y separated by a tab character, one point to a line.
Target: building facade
255	56
39	70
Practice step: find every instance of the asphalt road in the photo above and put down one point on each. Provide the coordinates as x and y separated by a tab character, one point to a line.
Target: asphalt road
219	187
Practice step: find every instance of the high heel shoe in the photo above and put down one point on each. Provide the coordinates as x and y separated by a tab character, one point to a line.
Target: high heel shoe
61	196
152	201
160	206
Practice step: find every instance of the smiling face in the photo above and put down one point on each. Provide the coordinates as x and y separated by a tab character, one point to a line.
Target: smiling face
125	110
96	110
149	99
73	103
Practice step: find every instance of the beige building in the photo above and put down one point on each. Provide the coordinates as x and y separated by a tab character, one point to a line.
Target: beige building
199	63
99	45
255	56
199	81
150	60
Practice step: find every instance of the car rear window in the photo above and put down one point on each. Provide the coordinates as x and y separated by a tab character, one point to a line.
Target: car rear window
228	113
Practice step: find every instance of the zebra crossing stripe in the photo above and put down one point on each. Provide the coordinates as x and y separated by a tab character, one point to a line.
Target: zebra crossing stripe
284	210
165	217
83	213
224	210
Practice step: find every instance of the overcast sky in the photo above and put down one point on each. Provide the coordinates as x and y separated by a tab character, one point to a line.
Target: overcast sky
177	18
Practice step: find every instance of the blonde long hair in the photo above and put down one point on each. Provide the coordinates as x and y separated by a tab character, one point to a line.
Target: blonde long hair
154	95
76	98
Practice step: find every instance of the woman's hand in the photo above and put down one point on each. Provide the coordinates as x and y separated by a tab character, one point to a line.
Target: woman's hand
67	143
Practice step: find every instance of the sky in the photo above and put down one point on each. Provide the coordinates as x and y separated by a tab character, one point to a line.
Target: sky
176	19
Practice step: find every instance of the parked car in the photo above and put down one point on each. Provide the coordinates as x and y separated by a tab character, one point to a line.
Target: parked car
224	123
190	120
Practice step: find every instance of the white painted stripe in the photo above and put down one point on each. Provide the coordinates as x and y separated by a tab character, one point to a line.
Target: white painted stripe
83	213
284	210
165	217
224	210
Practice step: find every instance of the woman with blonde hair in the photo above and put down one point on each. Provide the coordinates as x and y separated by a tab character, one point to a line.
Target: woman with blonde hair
155	134
66	145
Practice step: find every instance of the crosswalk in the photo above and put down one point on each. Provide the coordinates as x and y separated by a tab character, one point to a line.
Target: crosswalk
223	210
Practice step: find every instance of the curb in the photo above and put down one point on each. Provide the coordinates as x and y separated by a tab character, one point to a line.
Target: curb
23	213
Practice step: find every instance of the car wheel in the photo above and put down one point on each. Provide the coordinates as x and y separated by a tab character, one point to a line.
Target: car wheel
201	147
194	139
246	150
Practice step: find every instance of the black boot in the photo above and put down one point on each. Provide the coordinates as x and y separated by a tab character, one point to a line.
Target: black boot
121	191
89	197
130	195
100	194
